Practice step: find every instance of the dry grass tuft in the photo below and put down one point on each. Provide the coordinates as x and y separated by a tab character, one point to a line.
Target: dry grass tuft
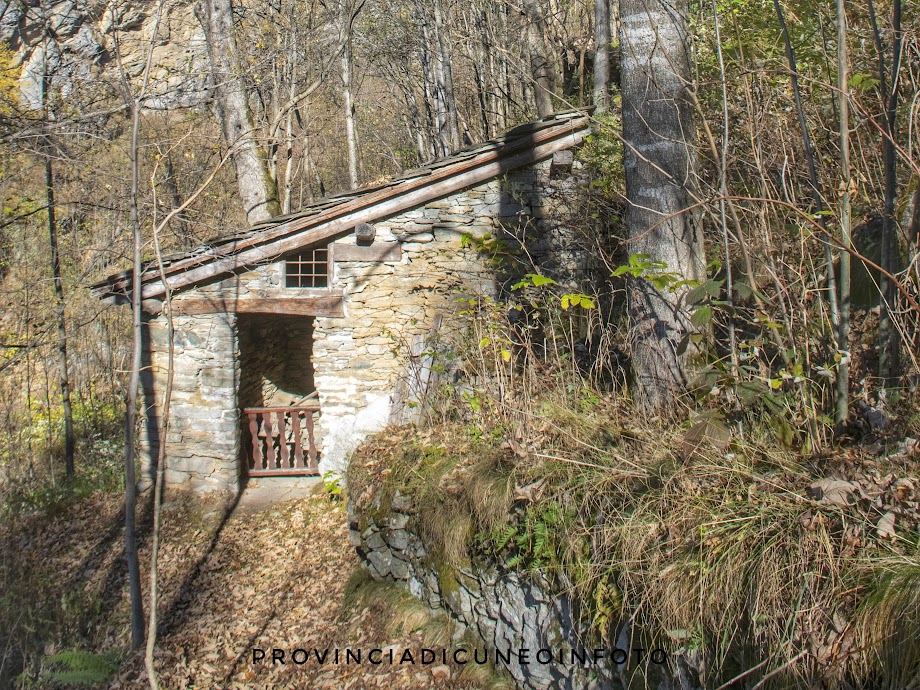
401	612
888	627
458	487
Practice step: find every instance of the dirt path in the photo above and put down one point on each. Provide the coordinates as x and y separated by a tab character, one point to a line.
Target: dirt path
269	579
268	576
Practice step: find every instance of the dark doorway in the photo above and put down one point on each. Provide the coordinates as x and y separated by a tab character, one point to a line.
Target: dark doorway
277	395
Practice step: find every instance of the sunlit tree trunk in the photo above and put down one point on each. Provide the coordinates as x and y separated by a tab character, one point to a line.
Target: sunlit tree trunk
256	186
134	576
351	137
658	133
63	369
445	77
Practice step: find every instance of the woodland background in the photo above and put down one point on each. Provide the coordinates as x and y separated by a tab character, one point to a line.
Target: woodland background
111	119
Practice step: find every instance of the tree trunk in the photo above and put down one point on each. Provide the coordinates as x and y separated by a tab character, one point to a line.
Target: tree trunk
433	77
601	55
63	370
256	187
541	70
134	573
844	214
446	77
889	337
350	134
657	129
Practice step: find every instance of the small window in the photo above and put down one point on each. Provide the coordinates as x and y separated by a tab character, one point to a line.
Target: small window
308	269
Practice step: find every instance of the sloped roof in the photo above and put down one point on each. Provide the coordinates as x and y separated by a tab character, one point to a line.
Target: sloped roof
336	216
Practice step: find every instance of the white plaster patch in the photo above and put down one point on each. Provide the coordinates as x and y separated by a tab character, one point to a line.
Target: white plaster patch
342	433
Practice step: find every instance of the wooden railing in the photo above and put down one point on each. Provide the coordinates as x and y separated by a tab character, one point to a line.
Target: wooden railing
282	441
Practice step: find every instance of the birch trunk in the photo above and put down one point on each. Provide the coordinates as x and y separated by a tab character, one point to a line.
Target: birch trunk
658	131
446	77
256	186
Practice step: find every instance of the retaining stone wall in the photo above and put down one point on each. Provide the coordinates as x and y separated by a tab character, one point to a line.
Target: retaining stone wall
502	608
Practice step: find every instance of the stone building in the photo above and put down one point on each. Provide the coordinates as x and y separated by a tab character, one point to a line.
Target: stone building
290	337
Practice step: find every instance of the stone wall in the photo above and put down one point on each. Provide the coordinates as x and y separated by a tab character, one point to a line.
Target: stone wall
392	305
502	608
203	439
359	360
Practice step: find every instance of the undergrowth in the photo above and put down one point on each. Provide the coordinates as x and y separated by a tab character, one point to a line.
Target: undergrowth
717	552
705	531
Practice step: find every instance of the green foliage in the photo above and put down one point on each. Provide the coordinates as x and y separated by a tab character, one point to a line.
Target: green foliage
75	668
332	483
99	461
654	271
533	280
577	299
499	252
531	540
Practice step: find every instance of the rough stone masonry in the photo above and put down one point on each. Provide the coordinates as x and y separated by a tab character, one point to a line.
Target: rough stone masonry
357	359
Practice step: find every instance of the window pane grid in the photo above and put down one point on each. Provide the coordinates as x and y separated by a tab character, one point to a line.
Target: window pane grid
309	269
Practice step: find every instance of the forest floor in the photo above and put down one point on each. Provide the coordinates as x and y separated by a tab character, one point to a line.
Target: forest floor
231	582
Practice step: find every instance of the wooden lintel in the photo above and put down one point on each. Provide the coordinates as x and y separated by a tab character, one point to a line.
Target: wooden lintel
331	305
378	252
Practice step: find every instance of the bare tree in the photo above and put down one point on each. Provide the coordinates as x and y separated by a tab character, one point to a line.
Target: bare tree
844	217
889	338
63	369
351	136
445	75
540	60
231	105
135	101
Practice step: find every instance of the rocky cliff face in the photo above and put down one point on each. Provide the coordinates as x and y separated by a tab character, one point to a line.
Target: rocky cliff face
80	43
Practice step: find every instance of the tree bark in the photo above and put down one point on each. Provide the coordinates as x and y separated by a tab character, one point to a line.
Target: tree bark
351	136
844	214
231	105
63	370
540	66
658	135
134	573
601	55
446	77
889	337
